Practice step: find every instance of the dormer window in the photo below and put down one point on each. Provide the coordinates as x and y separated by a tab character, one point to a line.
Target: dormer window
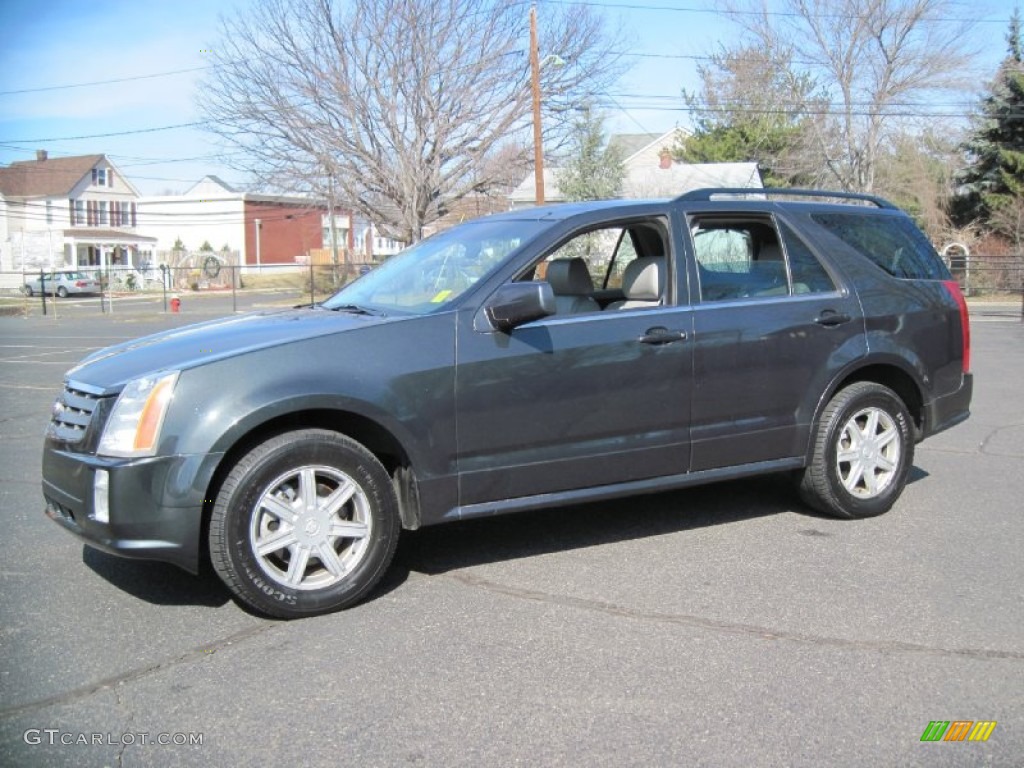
101	177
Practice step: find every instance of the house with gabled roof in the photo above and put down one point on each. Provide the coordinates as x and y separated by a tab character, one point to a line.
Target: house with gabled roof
650	171
69	212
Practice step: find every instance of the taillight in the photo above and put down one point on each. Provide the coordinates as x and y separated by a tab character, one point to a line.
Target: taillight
965	324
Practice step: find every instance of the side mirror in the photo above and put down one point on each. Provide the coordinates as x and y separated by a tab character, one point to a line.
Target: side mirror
514	304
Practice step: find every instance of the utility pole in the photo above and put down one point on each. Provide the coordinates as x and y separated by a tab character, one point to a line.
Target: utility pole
538	147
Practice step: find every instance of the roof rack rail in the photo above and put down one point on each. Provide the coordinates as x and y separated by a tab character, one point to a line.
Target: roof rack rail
705	195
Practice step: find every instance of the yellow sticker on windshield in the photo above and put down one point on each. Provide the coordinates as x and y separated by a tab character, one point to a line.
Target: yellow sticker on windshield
441	296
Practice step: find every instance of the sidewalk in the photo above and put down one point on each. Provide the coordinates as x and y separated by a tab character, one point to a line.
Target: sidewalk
986	310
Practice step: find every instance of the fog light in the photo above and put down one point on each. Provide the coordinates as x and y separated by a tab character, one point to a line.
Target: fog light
101	496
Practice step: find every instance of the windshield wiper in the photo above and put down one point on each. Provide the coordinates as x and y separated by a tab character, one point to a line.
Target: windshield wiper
356	309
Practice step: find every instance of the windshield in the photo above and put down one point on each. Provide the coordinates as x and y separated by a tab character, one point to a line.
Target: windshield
433	273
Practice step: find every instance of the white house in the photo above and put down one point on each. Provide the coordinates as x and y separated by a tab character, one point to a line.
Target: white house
69	212
650	172
265	229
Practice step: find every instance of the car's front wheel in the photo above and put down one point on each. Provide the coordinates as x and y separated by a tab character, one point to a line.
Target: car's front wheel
26	289
863	451
62	292
305	523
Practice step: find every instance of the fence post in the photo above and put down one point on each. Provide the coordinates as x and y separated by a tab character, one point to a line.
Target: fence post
234	289
312	287
42	289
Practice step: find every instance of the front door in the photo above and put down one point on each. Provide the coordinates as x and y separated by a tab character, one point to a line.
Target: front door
583	398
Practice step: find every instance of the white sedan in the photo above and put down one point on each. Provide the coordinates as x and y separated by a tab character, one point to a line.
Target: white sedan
63	284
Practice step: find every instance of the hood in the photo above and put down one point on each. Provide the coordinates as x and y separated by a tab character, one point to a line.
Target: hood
109	369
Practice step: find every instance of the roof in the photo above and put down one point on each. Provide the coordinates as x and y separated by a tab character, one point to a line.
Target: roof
654	182
91	233
53	177
631	143
685	177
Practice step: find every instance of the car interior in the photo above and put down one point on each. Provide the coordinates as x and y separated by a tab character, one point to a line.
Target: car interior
613	268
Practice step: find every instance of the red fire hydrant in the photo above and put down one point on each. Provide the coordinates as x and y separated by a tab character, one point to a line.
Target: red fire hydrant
175	304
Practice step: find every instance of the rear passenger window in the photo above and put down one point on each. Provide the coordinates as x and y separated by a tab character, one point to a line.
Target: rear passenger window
893	243
808	274
738	259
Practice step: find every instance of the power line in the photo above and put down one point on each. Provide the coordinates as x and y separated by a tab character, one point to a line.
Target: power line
716	11
150	76
108	135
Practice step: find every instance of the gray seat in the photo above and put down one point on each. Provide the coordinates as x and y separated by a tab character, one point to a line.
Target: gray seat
642	283
572	285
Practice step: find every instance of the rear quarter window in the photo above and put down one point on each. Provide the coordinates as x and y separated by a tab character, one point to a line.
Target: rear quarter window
893	243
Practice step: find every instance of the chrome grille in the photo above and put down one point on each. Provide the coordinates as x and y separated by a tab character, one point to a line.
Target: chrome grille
72	414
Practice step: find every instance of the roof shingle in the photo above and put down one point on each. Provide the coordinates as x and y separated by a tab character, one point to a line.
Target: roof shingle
45	178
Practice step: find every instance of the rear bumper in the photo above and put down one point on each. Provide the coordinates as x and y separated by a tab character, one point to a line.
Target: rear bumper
155	504
949	410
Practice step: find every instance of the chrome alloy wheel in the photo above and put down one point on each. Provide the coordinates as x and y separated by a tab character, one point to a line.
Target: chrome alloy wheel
310	527
868	452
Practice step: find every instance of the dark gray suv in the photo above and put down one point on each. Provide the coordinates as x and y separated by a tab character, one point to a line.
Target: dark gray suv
525	360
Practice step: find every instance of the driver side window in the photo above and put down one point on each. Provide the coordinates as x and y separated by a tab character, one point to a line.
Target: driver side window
592	271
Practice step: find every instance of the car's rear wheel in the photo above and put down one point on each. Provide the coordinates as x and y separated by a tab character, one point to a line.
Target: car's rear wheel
305	523
863	451
62	292
27	290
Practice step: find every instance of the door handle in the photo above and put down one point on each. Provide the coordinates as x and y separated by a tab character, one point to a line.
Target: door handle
661	335
830	318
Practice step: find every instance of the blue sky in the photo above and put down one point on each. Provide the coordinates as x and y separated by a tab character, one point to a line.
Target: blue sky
63	43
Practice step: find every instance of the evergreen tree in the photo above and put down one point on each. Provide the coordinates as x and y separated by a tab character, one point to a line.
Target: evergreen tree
593	171
995	179
753	107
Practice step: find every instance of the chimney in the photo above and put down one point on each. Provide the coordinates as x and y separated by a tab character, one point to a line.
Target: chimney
665	159
41	155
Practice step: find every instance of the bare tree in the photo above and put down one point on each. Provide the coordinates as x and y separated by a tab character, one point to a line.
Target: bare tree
880	62
403	104
916	172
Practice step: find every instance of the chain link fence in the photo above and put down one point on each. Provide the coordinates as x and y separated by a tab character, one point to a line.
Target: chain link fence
217	287
210	288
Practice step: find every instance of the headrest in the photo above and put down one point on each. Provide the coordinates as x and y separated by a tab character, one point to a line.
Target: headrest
570	277
643	278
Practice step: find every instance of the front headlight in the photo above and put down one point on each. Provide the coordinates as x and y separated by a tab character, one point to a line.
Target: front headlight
133	428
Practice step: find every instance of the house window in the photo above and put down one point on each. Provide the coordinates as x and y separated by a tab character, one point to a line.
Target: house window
126	214
104	218
101	178
79	213
49	212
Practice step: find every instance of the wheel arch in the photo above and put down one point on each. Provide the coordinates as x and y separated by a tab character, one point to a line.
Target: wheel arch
378	440
888	374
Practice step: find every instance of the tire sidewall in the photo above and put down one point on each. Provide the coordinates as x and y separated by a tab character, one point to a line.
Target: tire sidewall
875	396
238	507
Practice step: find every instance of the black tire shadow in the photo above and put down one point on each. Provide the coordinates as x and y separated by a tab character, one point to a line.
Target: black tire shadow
157	583
439	549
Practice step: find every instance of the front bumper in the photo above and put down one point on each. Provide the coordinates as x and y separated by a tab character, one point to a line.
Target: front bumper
155	504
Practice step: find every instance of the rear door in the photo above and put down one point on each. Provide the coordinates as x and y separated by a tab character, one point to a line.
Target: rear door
771	328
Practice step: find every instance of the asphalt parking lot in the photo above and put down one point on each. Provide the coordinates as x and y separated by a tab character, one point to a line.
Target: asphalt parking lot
719	626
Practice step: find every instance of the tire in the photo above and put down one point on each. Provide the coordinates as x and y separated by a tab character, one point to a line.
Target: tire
266	542
863	451
62	292
27	290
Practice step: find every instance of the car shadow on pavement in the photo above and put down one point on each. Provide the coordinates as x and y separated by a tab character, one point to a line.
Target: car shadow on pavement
444	548
157	583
